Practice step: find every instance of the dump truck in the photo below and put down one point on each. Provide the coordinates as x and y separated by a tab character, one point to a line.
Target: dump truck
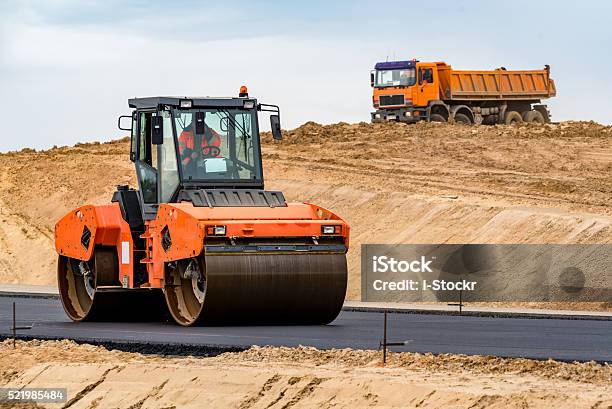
411	91
200	241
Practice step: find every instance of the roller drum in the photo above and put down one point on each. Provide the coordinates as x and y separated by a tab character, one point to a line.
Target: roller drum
262	289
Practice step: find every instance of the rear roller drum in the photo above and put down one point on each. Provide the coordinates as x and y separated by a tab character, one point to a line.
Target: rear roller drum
83	300
77	281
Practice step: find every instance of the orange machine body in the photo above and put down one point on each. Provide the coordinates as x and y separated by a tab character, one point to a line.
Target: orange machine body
187	226
81	230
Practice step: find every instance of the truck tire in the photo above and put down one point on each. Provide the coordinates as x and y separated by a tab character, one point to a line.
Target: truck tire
463	119
512	118
436	118
534	117
524	115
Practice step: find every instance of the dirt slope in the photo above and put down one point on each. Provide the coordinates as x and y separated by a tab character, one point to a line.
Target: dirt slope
394	183
37	188
300	378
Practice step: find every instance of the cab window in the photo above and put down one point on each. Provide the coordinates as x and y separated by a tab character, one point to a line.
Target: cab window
146	159
425	74
148	183
134	138
167	165
145	149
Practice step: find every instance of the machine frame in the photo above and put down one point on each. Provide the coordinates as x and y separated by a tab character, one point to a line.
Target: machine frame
210	242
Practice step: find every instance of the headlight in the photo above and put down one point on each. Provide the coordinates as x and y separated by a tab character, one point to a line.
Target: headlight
249	104
215	231
186	103
407	113
331	229
377	116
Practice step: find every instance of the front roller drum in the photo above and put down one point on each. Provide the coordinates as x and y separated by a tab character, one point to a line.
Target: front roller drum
79	285
233	289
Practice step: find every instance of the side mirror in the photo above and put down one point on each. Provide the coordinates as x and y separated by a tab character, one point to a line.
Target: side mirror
276	128
372	79
224	124
199	123
121	123
157	130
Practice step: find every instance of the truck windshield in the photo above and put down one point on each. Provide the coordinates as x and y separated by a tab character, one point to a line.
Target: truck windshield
228	149
394	78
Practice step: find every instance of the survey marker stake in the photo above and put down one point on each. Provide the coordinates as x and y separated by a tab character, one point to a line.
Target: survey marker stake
15	327
460	303
384	344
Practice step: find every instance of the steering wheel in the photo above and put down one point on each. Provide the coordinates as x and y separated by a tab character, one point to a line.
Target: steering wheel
210	151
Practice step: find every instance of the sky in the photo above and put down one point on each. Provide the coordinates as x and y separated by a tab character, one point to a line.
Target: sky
68	67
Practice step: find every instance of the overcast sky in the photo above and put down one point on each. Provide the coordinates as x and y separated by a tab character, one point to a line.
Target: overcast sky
68	67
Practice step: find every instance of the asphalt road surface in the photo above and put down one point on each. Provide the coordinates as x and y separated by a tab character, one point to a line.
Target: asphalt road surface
561	339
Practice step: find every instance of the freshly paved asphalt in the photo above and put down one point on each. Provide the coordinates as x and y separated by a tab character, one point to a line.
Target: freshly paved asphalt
561	339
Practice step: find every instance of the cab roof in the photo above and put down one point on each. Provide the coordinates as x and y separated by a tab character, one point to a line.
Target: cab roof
395	65
196	102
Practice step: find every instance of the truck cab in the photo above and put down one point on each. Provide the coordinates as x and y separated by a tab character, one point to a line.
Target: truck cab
402	90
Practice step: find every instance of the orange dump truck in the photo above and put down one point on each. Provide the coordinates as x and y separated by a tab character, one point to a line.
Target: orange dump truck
411	91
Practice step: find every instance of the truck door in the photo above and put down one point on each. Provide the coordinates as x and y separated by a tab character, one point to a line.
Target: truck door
427	85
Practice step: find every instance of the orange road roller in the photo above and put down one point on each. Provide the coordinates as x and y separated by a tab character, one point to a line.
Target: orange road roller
201	240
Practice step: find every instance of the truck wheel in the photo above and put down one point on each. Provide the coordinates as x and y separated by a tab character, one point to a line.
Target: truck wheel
524	115
436	118
534	117
463	119
512	118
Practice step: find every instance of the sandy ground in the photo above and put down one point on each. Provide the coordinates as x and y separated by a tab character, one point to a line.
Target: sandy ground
394	183
427	183
303	377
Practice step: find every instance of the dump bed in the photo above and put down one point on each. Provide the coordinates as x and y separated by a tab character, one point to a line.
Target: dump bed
498	84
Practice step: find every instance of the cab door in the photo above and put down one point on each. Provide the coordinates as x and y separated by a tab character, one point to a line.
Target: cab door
427	85
146	161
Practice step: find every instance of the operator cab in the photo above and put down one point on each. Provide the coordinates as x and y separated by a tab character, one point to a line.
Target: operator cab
187	149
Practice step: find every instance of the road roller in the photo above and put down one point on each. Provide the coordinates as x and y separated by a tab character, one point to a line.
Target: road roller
200	241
